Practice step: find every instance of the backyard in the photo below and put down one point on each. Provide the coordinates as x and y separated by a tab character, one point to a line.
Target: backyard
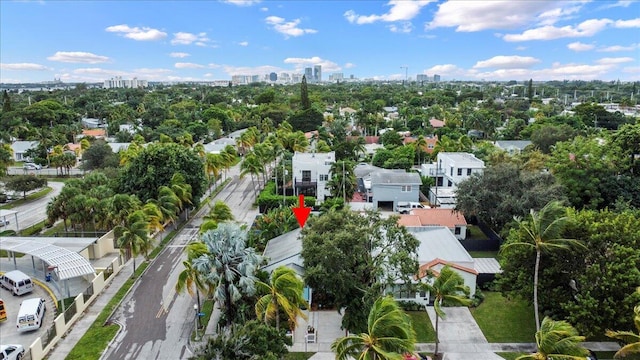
504	320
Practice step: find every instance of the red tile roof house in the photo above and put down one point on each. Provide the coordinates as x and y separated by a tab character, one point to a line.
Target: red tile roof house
430	140
437	217
438	248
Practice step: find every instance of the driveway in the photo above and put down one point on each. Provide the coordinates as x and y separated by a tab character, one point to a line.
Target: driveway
460	336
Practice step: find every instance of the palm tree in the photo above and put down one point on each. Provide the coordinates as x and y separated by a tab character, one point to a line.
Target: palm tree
343	180
190	279
542	232
557	340
631	340
251	165
167	202
218	213
284	291
154	216
389	335
182	191
133	236
228	266
447	289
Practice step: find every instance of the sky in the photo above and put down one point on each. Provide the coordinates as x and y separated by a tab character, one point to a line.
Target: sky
91	41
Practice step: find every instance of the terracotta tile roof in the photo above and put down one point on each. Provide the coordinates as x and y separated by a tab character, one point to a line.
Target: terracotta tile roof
72	146
424	268
436	123
409	220
94	132
428	140
439	217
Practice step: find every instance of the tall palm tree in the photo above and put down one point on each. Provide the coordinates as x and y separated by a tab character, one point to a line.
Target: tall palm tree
389	335
631	340
190	279
167	202
542	231
251	165
343	180
557	340
182	190
228	266
447	289
133	236
154	217
284	291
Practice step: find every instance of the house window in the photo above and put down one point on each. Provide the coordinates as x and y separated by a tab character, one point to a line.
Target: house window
468	172
306	175
450	184
324	177
457	230
406	188
430	146
451	172
459	171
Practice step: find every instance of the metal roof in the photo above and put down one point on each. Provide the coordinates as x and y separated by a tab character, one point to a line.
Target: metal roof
283	247
69	264
487	266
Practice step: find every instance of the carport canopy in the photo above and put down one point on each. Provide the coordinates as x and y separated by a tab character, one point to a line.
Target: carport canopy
66	260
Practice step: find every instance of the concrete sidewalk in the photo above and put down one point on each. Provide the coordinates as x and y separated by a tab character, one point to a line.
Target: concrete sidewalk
64	346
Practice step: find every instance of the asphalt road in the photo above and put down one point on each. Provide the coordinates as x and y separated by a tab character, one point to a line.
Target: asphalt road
156	322
34	211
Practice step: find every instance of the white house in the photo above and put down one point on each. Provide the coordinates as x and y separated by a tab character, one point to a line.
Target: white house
20	147
512	146
453	220
449	170
438	248
311	173
389	187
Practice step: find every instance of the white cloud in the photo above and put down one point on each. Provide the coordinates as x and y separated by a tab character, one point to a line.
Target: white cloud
99	71
507	62
349	65
621	3
78	57
136	33
552	16
616	48
213	66
243	43
617	60
521	48
449	70
185	38
152	71
578	46
401	10
301	63
404	27
179	55
186	65
242	2
624	24
586	28
248	70
288	28
482	15
23	66
632	69
264	9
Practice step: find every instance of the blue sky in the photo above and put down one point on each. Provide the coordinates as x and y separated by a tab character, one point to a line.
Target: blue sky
90	41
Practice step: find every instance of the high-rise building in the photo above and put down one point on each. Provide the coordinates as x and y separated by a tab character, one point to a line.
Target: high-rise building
420	78
336	77
273	76
308	73
317	73
118	82
436	78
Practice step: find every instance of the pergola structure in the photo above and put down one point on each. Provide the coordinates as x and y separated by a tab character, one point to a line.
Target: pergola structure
60	256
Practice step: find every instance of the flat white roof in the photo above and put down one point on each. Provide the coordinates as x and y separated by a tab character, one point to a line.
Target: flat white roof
68	262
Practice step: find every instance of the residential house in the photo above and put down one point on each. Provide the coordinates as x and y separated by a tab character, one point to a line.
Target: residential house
311	173
429	140
96	133
438	248
512	146
436	124
92	123
21	147
449	170
388	187
216	146
453	220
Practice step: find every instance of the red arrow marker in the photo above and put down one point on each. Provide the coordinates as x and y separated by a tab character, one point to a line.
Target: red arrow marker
301	213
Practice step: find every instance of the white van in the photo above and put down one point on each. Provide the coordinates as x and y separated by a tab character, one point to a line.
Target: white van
31	314
17	282
404	207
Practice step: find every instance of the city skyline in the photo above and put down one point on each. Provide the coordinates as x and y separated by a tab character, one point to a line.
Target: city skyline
93	41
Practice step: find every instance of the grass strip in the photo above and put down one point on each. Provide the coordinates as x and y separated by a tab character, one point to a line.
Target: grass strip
35	196
422	326
298	355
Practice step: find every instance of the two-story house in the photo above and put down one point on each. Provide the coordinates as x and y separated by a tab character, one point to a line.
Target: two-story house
388	187
311	173
449	170
453	220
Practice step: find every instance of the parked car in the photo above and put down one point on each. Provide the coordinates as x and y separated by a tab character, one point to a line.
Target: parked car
11	352
31	166
4	222
405	207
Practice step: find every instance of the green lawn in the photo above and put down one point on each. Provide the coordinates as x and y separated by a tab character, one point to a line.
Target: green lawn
422	326
298	356
504	320
510	355
476	233
483	254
